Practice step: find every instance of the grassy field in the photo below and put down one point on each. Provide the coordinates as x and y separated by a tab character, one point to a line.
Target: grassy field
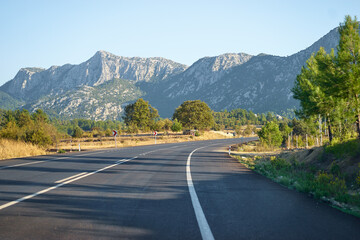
329	173
16	149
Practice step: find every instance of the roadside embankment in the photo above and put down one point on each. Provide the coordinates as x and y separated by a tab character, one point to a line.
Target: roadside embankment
328	173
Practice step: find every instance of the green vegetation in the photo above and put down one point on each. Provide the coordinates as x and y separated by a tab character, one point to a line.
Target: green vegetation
8	102
295	173
328	87
194	115
33	128
270	135
176	127
240	117
141	115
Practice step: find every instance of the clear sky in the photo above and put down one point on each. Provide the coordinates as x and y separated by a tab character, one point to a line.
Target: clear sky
45	33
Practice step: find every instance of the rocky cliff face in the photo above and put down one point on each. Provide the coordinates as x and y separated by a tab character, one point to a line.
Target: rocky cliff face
100	87
33	83
258	83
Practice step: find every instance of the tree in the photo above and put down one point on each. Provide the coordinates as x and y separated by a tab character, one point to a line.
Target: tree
78	132
270	135
194	114
167	124
311	88
24	118
40	116
140	115
176	127
345	82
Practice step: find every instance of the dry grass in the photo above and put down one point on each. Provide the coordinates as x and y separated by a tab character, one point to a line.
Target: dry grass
16	149
88	144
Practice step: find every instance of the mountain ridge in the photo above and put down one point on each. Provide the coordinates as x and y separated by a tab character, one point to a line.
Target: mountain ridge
232	80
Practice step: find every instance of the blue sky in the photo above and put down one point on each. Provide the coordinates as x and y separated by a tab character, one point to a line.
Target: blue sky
45	33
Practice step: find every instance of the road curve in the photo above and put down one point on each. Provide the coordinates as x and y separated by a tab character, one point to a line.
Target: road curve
145	193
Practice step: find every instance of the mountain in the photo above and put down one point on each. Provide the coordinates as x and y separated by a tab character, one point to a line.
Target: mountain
83	90
32	83
98	103
258	83
100	87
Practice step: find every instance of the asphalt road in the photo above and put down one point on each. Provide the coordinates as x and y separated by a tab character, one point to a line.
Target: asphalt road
189	190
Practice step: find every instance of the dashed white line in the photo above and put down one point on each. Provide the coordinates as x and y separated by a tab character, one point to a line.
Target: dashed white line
199	213
73	179
66	180
74	176
23	164
48	160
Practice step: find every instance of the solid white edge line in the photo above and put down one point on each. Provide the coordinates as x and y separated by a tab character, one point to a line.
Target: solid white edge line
49	160
74	176
22	164
199	213
59	185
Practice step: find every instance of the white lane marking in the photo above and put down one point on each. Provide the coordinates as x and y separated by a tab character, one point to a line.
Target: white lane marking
85	154
49	160
74	176
23	164
59	185
199	213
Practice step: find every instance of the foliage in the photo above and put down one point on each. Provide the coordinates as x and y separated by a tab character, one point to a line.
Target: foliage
329	87
194	114
176	126
78	132
296	175
248	130
140	114
34	128
345	149
270	135
240	117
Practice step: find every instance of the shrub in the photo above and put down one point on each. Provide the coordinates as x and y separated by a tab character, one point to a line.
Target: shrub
177	126
39	137
270	135
78	132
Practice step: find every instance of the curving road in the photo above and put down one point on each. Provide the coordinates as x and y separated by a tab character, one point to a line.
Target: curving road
189	190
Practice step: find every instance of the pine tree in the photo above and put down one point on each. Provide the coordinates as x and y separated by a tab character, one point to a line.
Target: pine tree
311	88
345	82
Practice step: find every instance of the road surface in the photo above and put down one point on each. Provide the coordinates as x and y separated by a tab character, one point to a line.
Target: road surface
190	190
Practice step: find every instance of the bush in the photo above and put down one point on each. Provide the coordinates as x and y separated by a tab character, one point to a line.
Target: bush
177	126
108	133
197	134
38	137
270	135
78	132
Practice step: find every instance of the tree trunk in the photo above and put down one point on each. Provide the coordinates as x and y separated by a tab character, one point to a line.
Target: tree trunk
329	131
358	125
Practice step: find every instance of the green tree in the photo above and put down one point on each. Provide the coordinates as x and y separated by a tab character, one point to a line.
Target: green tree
40	116
140	114
24	118
167	124
270	135
345	81
78	132
311	89
194	114
176	127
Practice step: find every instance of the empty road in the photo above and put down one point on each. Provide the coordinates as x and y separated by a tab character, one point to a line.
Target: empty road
190	190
